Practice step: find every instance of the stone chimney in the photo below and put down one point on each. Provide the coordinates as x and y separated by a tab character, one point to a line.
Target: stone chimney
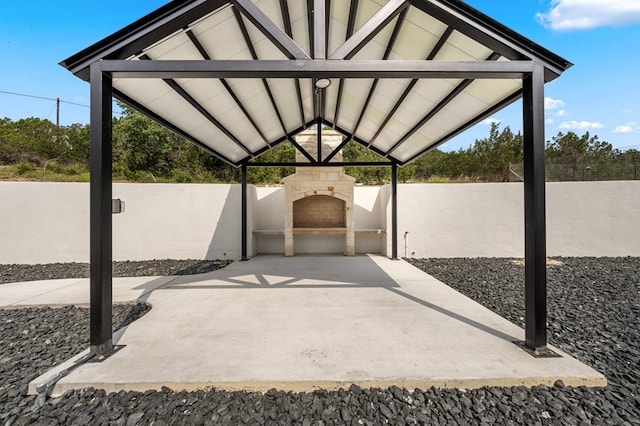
319	200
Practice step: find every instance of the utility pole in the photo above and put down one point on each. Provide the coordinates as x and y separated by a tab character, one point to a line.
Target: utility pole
58	113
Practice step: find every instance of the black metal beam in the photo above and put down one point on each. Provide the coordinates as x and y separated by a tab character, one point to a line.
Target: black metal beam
394	210
100	322
144	110
323	164
434	51
317	69
351	22
385	56
286	19
310	27
435	110
230	91
497	107
203	111
336	150
369	29
302	150
355	138
281	40
319	140
254	55
535	254
244	256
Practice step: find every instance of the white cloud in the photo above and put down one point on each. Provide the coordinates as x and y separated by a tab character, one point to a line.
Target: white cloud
491	120
580	125
626	111
588	14
549	120
561	113
631	127
550	103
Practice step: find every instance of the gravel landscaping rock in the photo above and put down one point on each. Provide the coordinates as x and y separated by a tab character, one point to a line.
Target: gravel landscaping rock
51	271
594	305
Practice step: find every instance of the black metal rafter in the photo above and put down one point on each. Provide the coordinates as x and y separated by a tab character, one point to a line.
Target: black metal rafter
337	149
230	91
254	55
439	107
369	30
302	150
177	130
436	49
354	138
385	56
178	89
286	19
281	40
497	107
351	22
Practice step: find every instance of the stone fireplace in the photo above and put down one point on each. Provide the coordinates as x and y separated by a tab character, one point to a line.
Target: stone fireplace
319	200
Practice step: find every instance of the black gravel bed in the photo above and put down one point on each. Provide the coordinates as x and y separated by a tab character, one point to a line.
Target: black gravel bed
593	310
143	268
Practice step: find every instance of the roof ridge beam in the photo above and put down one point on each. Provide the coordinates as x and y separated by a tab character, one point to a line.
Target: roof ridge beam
369	29
278	37
439	107
320	30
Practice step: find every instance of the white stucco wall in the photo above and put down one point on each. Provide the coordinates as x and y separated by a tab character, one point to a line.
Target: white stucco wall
49	222
487	220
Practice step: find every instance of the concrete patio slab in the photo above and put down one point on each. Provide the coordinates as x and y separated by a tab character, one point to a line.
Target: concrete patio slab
308	322
75	291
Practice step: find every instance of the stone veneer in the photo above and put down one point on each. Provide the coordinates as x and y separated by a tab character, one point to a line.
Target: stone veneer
312	194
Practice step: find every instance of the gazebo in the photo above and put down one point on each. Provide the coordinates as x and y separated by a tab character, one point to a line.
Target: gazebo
239	77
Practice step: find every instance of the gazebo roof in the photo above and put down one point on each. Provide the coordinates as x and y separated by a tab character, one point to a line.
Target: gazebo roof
405	75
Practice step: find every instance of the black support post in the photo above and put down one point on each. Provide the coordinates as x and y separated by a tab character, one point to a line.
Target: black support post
394	211
244	212
101	338
534	212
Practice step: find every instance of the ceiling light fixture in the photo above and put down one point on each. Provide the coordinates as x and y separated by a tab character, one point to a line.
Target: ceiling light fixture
322	83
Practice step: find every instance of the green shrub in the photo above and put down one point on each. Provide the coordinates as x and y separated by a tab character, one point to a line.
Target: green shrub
24	167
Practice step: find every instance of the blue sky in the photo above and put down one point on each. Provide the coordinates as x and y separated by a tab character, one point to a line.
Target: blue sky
599	94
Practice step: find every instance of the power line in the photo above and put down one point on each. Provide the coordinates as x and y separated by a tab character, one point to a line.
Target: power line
43	97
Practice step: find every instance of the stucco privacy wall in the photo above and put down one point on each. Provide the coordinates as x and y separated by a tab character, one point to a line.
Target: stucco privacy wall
487	220
49	222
